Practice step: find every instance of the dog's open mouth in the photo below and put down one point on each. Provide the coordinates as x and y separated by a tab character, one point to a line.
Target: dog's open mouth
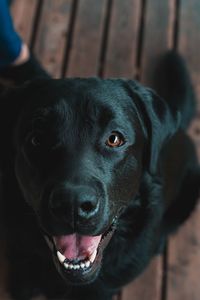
78	257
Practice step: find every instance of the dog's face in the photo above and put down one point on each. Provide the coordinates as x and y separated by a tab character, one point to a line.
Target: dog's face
79	147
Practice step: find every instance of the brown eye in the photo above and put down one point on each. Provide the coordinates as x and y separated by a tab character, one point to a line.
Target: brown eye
115	140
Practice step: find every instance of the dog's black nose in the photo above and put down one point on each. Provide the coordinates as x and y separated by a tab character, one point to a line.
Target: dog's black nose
74	201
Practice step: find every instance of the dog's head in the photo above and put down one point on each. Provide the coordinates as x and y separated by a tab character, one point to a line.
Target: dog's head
79	148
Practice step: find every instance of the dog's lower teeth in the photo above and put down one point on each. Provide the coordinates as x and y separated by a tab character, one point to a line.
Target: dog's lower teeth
81	265
78	266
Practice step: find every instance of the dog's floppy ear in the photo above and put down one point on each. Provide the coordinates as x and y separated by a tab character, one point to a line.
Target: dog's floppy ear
157	121
10	106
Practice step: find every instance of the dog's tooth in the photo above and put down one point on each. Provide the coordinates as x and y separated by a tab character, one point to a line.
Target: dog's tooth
87	264
82	265
61	257
66	265
76	267
93	256
71	266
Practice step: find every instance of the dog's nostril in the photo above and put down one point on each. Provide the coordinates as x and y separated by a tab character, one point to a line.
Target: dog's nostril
87	206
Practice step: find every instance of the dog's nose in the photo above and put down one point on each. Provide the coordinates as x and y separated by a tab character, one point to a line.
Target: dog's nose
77	201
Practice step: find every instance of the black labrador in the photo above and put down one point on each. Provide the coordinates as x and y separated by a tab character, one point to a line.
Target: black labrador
95	174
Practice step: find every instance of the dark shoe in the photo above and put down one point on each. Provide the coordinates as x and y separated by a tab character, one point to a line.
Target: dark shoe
24	72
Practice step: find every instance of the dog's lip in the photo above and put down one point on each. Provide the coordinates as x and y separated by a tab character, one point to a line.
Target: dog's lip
78	270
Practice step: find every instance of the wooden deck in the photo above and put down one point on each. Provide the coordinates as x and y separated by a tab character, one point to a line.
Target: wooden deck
124	38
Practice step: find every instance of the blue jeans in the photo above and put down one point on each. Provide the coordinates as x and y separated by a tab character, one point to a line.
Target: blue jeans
10	42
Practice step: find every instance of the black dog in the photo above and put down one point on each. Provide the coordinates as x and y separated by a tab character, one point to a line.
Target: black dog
100	169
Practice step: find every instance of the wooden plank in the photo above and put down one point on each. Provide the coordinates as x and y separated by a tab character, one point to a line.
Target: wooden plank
184	261
52	34
189	38
23	12
184	255
148	285
86	43
123	39
158	35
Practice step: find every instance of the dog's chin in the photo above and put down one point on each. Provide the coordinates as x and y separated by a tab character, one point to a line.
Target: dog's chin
78	258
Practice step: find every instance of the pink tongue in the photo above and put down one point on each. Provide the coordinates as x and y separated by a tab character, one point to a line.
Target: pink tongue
75	246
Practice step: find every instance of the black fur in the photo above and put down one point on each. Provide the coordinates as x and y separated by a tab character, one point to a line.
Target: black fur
151	182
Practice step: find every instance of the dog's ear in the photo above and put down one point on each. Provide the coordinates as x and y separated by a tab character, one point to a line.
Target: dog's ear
10	106
157	121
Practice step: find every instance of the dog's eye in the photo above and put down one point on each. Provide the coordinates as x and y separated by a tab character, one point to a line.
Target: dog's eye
116	139
43	142
35	141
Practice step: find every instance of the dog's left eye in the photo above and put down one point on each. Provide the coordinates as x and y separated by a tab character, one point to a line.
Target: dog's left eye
40	141
116	139
35	141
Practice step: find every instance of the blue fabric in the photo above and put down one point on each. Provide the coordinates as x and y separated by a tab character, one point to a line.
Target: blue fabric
10	42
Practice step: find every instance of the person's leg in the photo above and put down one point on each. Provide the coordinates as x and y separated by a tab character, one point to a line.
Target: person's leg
10	42
16	62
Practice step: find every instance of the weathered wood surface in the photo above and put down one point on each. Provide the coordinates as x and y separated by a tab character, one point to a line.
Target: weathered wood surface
157	36
52	34
148	286
123	35
87	38
184	247
24	14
